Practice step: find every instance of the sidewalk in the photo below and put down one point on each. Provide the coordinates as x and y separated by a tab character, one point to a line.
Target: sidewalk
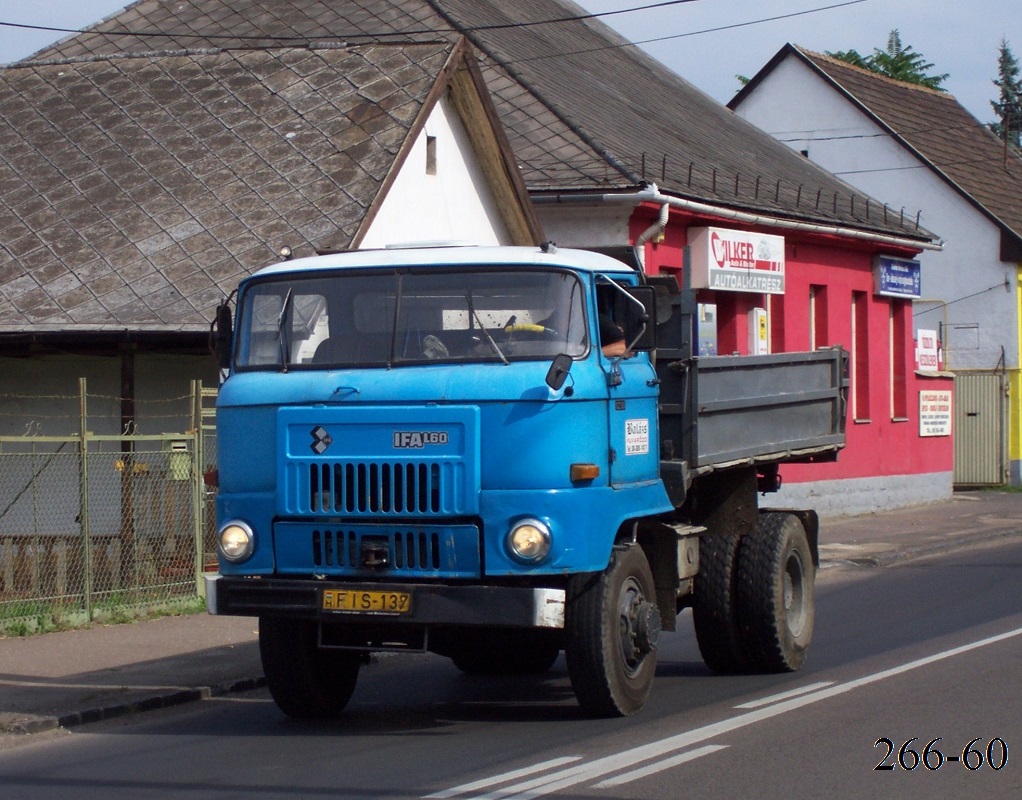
72	677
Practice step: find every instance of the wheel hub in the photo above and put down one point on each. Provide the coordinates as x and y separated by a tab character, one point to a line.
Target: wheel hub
647	628
639	626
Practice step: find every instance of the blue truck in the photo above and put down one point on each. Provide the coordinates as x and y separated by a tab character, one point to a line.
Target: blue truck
499	454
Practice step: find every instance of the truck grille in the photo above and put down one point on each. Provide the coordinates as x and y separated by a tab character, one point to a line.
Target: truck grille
408	549
378	550
381	488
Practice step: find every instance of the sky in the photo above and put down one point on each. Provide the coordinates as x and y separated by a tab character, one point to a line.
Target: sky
959	37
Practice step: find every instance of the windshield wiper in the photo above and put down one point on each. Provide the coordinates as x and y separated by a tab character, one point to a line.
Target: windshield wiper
282	338
486	333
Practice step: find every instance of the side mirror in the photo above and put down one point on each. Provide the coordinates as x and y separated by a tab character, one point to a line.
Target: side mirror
558	372
635	312
222	334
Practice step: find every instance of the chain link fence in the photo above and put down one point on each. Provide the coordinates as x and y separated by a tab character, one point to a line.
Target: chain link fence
103	526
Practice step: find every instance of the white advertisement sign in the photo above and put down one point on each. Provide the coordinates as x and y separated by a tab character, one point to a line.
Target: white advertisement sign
926	350
737	261
935	413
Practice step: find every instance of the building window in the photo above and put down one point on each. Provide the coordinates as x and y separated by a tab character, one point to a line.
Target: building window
818	334
430	155
859	366
899	359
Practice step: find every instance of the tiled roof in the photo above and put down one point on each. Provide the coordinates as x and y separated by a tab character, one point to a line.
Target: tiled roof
136	191
939	129
583	108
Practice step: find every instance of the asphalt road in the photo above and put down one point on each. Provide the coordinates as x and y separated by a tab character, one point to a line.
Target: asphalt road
926	650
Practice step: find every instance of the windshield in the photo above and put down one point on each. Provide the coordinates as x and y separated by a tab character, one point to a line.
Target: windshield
409	316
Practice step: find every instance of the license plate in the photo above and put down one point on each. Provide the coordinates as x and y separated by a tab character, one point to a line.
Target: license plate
367	602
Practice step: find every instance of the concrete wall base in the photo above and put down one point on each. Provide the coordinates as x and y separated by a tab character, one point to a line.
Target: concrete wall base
863	495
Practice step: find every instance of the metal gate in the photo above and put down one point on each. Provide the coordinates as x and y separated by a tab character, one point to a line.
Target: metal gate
981	429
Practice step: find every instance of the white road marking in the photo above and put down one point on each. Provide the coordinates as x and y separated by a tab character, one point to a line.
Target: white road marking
505	776
660	766
575	775
765	701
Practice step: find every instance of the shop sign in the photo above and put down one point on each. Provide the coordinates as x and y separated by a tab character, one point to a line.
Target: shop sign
927	351
737	261
934	413
897	277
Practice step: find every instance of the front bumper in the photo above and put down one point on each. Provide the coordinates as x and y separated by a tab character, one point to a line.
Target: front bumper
431	604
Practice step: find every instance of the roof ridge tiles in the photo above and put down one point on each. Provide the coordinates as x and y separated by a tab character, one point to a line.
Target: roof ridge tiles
868	72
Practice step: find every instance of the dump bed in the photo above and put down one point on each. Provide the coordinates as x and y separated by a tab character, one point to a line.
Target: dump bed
723	412
780	407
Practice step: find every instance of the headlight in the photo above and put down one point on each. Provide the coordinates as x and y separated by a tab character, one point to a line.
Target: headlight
236	541
529	540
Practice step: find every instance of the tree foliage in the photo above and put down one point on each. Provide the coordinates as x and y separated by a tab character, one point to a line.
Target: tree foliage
1008	106
897	61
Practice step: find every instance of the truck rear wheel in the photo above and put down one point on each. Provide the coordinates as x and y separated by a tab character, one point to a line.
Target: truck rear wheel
776	605
304	680
714	605
612	627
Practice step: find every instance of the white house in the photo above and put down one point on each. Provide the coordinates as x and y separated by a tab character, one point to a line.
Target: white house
926	157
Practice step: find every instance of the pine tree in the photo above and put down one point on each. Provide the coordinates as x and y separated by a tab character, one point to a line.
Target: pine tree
1008	107
898	61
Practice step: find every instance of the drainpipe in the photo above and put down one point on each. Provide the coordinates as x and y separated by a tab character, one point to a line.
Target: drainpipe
652	195
654	232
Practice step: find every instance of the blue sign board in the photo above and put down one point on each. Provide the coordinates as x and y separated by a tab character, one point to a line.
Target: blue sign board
897	277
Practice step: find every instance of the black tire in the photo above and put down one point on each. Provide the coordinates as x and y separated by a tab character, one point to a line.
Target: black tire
506	652
776	596
715	605
305	681
612	626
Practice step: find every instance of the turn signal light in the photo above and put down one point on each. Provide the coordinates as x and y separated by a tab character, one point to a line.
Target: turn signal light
584	472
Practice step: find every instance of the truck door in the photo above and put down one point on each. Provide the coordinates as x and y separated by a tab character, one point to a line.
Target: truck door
632	404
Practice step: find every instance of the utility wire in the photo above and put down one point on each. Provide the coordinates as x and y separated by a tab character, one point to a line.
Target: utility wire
840	137
695	33
941	304
346	37
941	165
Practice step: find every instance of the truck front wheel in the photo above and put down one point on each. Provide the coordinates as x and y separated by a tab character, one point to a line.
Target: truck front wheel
304	680
612	627
776	594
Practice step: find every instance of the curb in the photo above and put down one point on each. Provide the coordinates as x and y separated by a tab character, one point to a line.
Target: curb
886	558
42	724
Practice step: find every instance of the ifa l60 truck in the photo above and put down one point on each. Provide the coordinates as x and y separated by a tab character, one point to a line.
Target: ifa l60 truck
431	450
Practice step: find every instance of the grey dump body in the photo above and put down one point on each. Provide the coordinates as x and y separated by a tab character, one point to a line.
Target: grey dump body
773	407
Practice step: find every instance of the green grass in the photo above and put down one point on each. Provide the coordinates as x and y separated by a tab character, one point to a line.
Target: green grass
28	618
